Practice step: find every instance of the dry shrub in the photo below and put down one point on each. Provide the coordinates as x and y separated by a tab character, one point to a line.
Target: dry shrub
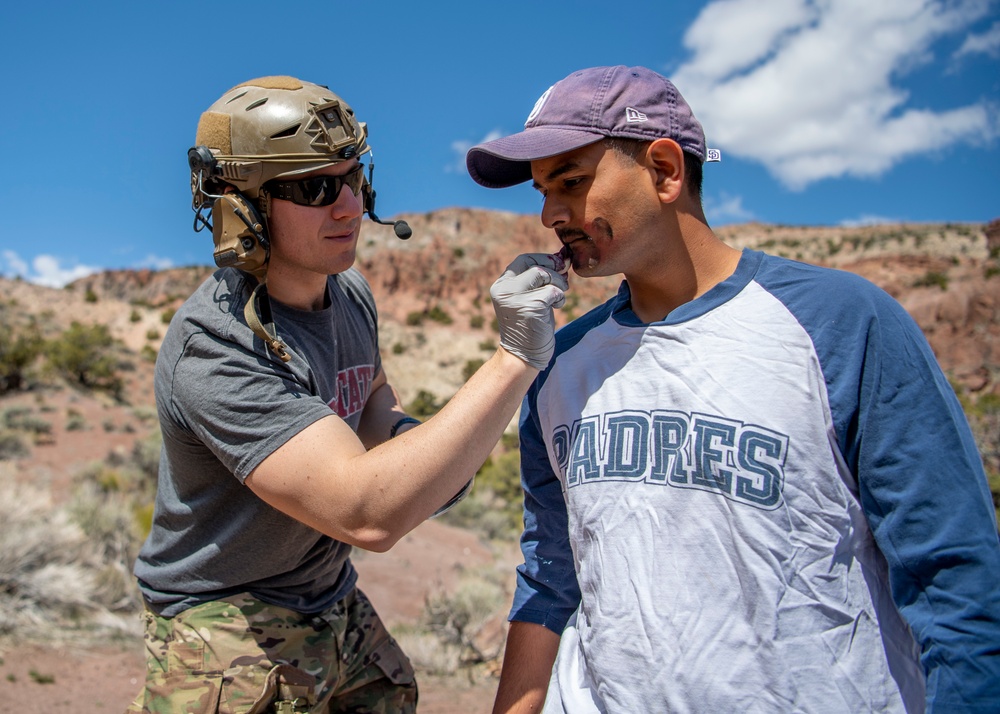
426	651
13	446
467	618
110	524
48	569
458	630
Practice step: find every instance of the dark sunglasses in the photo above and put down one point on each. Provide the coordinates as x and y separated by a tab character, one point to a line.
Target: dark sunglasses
319	190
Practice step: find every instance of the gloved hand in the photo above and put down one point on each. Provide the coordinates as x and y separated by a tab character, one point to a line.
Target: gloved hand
523	299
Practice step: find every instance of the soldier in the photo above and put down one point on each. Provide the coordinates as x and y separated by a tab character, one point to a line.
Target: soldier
284	443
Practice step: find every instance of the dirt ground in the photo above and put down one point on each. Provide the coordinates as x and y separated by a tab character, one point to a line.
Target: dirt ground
35	679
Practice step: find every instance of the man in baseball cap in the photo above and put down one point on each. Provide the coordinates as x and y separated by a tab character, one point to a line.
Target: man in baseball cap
733	500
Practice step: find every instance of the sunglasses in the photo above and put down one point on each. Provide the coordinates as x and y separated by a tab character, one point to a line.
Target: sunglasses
319	190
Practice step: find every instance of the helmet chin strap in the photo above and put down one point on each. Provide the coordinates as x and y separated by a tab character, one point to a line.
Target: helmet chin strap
263	326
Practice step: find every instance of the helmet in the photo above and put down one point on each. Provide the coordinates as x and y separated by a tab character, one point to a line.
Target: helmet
272	127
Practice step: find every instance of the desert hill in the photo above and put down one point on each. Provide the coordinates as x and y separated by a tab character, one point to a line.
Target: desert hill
435	324
945	275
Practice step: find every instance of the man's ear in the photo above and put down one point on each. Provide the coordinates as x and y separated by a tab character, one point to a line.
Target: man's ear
665	159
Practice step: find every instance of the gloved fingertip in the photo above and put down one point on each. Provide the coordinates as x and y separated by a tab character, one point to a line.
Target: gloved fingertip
560	260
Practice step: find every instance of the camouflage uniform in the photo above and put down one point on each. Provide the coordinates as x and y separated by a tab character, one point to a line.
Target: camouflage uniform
239	654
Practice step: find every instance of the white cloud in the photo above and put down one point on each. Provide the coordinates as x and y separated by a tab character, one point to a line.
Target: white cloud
867	220
45	270
726	209
155	262
805	87
461	148
15	266
48	271
987	43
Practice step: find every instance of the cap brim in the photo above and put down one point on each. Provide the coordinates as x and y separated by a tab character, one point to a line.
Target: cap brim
507	161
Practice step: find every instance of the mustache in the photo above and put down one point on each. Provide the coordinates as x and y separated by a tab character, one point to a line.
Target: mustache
568	235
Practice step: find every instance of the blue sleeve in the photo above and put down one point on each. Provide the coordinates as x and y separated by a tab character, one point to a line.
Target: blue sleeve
547	591
920	478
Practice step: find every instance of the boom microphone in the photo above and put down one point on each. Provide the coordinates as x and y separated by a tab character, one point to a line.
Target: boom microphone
400	228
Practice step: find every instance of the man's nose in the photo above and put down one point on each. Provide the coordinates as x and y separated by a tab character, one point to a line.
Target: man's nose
554	213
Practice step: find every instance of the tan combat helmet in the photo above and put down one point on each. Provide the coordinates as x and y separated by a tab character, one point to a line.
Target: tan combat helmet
273	127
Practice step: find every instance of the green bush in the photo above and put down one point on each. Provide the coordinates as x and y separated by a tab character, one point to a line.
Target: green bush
471	367
502	475
75	421
494	508
424	405
22	419
983	413
86	355
18	352
932	278
414	319
12	446
510	441
437	314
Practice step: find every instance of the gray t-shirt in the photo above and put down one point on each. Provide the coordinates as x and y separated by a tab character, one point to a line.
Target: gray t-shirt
225	403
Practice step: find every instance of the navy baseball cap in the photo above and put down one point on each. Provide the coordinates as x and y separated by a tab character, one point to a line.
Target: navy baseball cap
587	106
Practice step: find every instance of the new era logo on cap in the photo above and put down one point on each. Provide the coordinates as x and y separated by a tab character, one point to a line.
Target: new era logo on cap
633	115
538	106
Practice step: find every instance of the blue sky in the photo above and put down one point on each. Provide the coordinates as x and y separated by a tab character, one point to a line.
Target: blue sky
827	112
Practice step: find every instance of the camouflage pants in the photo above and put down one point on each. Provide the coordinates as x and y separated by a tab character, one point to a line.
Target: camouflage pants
242	655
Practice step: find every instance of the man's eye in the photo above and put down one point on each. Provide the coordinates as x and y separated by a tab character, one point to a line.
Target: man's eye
572	183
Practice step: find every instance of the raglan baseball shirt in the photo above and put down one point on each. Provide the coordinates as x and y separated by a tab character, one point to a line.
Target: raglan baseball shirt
769	501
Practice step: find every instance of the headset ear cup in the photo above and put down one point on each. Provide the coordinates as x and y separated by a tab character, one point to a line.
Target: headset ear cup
240	235
369	196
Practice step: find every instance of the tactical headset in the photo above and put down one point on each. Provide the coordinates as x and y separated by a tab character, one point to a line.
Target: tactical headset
238	228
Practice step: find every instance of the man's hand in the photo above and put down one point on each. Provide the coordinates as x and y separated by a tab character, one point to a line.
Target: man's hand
523	299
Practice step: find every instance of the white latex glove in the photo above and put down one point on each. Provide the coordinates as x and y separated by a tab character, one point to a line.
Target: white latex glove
523	299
